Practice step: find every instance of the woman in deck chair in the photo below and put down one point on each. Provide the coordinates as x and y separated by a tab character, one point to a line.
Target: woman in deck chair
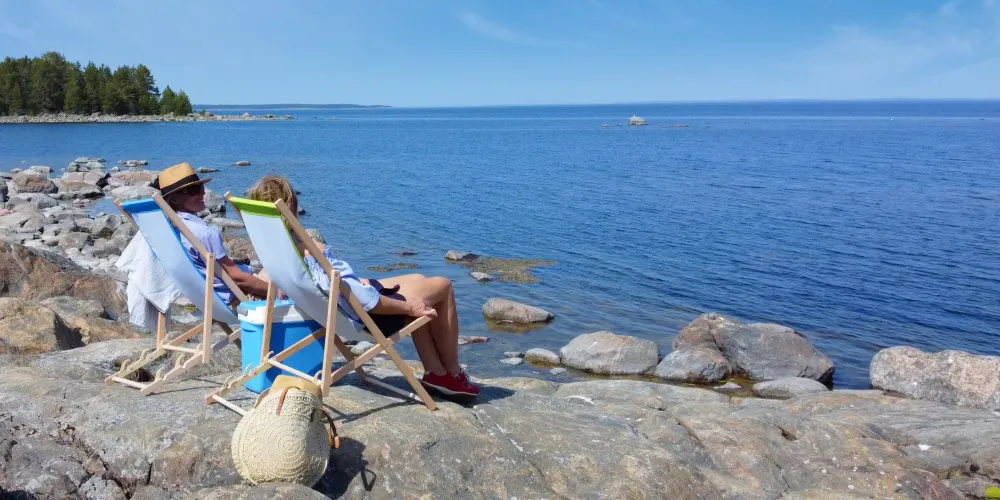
394	302
184	191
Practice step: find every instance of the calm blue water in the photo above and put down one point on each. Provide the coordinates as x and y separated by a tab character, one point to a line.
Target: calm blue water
863	225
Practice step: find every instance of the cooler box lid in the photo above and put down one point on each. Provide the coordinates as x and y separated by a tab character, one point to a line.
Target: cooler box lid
284	312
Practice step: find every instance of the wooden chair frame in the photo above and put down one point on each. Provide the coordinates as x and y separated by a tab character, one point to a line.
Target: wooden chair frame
203	353
325	378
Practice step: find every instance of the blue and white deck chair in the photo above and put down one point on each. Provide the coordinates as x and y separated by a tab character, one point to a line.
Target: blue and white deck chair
268	226
161	227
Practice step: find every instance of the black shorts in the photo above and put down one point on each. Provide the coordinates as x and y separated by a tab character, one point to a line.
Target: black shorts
390	323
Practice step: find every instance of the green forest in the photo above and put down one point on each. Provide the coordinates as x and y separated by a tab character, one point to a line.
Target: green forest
51	84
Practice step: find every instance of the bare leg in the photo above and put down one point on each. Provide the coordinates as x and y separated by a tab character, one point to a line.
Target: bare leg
427	350
444	327
442	330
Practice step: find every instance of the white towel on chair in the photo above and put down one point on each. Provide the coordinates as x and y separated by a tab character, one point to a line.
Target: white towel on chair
150	289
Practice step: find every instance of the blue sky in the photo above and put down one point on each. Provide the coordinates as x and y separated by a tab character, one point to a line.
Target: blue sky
478	52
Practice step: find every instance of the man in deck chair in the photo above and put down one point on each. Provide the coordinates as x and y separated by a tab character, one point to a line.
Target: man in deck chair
184	191
394	303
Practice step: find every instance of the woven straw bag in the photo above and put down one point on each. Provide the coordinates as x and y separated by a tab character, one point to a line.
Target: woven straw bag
283	438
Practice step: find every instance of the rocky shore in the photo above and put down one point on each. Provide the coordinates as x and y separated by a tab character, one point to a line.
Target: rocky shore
40	210
734	411
101	118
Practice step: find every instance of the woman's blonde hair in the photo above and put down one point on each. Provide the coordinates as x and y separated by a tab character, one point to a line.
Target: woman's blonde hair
272	188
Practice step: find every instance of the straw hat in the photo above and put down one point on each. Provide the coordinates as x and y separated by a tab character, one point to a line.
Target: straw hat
176	178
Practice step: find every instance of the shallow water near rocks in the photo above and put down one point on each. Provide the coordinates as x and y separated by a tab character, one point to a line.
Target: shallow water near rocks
862	225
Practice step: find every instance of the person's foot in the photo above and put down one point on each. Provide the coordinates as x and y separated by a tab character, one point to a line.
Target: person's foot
456	388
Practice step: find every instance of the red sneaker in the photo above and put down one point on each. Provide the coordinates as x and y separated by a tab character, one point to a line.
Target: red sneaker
453	387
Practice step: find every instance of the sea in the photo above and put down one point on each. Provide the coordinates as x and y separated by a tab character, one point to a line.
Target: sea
863	225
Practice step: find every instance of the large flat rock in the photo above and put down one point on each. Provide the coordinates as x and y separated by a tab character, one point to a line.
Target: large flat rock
954	377
610	354
64	434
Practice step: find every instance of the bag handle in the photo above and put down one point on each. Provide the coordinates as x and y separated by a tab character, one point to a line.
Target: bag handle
331	434
332	437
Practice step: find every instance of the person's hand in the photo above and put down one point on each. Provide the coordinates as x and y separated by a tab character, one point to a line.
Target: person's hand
420	308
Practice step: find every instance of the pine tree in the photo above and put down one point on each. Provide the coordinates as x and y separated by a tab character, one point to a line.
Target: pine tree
75	93
93	84
182	105
6	77
50	84
47	83
167	100
16	102
149	95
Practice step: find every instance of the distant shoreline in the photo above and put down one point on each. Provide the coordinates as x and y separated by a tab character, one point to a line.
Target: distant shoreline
290	106
98	118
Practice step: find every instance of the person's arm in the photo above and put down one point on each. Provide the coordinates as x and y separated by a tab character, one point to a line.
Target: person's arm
247	282
410	307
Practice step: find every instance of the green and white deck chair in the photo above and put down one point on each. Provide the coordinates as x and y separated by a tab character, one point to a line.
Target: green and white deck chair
159	225
268	226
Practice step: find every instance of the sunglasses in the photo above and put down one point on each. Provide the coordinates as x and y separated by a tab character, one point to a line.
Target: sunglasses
193	190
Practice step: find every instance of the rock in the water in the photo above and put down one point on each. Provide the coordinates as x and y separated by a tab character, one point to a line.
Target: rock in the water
471	339
759	351
953	377
206	170
215	203
703	331
729	386
512	361
481	277
513	354
105	225
242	163
132	178
557	370
784	388
39	169
79	190
693	364
607	353
457	255
768	352
129	193
98	179
498	309
542	357
30	182
26	328
37	200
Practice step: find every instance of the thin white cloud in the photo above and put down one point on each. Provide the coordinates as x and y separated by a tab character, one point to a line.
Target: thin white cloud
927	55
488	28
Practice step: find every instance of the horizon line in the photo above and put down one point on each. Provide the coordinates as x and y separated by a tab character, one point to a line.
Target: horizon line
623	103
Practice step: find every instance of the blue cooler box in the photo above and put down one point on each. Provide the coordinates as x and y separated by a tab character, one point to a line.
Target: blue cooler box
288	326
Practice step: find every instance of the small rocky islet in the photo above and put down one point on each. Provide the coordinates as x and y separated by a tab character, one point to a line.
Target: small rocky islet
928	428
